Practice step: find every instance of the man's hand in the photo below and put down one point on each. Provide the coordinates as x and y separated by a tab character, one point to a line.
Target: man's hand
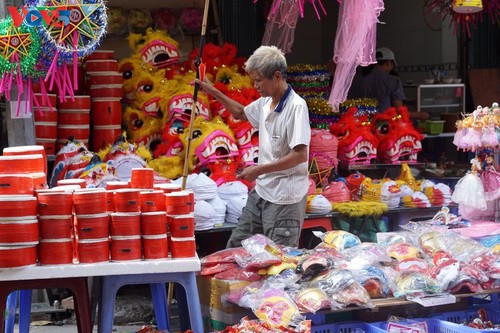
250	173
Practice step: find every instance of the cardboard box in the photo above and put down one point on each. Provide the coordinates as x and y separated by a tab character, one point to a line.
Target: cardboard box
217	313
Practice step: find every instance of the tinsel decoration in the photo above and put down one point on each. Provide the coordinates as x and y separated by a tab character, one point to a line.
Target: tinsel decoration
443	9
365	106
78	36
309	81
19	49
321	114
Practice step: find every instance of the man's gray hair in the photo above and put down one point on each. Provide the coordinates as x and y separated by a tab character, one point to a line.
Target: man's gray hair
266	60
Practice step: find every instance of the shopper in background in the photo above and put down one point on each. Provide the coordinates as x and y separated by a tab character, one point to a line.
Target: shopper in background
276	206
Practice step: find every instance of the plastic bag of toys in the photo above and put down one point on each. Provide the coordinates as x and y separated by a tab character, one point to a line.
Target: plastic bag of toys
190	19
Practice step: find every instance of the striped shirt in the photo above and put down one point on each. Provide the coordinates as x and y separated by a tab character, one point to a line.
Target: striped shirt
279	132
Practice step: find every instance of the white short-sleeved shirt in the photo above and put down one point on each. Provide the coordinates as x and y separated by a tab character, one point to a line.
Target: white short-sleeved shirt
279	132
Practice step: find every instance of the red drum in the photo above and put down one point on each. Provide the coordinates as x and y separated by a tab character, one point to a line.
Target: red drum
48	144
39	180
178	203
79	132
17	206
181	225
106	91
48	101
110	201
152	201
126	248
127	200
16	184
101	65
93	250
106	111
46	130
103	136
91	226
19	231
73	181
55	251
22	163
55	203
142	178
125	224
183	247
90	201
154	223
44	114
97	78
114	185
56	226
76	103
17	256
167	187
101	55
155	246
28	150
74	118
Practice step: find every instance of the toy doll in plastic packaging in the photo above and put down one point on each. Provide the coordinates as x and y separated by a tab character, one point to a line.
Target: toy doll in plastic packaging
139	20
469	190
490	177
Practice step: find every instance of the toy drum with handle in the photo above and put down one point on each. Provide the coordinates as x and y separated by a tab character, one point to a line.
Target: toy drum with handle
55	251
155	246
28	150
16	184
106	91
18	255
126	248
181	225
19	231
39	180
98	78
44	114
31	163
125	224
90	201
101	65
152	201
101	55
178	203
90	226
72	181
55	203
167	187
56	226
154	223
106	112
183	247
142	178
17	206
127	200
103	136
116	184
93	250
79	132
48	144
45	100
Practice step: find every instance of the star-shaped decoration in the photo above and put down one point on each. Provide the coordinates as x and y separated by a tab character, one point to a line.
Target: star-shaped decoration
14	42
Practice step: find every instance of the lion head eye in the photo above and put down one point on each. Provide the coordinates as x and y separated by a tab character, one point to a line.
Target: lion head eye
196	133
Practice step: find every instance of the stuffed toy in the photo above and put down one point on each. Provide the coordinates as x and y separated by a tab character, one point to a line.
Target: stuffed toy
156	48
357	145
166	19
139	20
117	21
398	139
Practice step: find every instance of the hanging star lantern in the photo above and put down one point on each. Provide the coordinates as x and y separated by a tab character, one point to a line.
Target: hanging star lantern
19	50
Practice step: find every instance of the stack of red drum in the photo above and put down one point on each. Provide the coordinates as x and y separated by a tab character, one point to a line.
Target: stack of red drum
91	225
104	84
74	119
55	217
180	215
19	230
45	117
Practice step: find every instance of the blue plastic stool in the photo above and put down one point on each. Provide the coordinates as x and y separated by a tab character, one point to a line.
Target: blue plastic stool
24	310
188	299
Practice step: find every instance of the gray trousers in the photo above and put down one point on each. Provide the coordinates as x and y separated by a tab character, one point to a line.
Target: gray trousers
280	223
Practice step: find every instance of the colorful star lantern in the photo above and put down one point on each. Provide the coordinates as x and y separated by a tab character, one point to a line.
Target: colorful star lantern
443	9
78	31
19	50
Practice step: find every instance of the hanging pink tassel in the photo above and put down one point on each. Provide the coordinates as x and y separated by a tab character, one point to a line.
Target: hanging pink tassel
75	60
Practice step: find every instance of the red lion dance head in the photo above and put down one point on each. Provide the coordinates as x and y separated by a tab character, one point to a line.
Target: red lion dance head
399	141
357	145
